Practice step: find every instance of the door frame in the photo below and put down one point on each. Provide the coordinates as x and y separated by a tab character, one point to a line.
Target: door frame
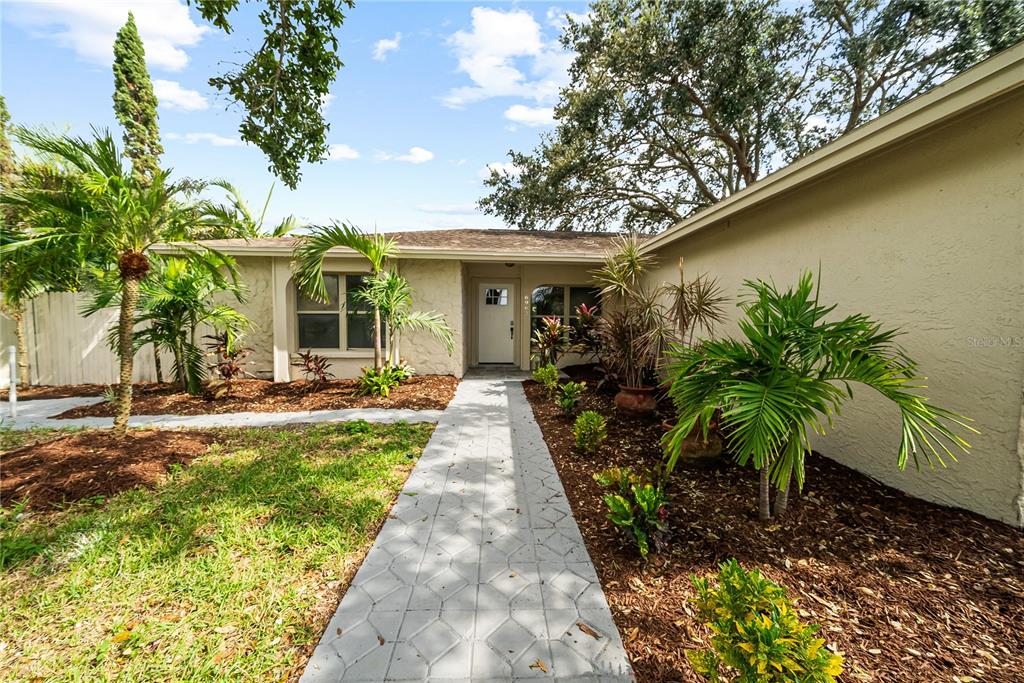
474	317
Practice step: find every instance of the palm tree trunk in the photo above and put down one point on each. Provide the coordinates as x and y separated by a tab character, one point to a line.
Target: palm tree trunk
782	497
24	379
764	512
377	351
125	350
157	364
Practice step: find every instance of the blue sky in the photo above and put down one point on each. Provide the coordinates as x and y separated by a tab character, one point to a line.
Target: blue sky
431	94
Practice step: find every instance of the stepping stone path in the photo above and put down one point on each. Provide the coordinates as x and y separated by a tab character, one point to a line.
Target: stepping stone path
480	572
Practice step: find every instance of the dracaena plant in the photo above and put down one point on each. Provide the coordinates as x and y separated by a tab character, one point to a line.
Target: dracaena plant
788	376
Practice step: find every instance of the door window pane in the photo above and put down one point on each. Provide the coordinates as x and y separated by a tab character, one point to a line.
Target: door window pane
319	330
496	297
304	303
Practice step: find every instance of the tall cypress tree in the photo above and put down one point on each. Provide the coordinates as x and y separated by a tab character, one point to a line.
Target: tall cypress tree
135	103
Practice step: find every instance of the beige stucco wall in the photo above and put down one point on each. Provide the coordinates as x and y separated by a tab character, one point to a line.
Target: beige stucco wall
437	286
927	237
255	273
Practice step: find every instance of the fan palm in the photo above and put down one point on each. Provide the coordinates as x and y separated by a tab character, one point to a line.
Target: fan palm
100	212
391	294
790	374
308	264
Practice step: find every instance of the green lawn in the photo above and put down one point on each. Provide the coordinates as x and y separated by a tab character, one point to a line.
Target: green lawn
228	571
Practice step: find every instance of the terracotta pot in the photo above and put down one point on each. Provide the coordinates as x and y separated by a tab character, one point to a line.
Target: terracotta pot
637	400
695	449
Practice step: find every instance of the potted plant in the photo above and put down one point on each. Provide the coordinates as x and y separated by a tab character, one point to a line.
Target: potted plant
634	332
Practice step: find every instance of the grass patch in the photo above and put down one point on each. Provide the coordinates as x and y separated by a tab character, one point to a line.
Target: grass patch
227	571
16	438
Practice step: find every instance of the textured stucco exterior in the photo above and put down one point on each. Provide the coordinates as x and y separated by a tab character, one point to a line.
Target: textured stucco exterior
926	236
255	273
436	286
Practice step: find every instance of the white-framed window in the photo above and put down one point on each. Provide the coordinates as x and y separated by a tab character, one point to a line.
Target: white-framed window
344	322
561	301
496	296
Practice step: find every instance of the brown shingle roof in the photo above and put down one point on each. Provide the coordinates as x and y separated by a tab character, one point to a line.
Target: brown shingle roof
471	240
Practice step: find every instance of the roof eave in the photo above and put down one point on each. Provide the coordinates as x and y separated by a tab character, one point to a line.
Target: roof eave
413	252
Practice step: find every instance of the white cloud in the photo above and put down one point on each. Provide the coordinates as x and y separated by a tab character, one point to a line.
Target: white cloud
504	167
530	116
557	17
337	152
170	94
210	138
490	53
385	45
447	208
89	28
415	155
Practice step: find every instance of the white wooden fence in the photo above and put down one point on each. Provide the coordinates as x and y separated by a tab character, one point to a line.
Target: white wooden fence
64	347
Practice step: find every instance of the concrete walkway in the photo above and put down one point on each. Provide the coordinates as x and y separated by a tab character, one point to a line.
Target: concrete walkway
39	413
480	572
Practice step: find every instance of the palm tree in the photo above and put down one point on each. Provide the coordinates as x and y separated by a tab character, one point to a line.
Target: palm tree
792	371
237	219
391	294
109	217
308	264
175	299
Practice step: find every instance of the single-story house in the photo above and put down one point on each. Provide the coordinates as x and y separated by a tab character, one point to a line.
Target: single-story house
914	218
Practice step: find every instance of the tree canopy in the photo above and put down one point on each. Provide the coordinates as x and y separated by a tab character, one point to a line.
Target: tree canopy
284	83
673	105
135	103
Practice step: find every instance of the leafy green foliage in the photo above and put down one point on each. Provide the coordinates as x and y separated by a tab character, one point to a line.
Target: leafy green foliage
288	76
756	636
789	374
637	506
547	376
674	105
391	294
569	395
589	431
235	218
314	367
550	340
379	382
135	104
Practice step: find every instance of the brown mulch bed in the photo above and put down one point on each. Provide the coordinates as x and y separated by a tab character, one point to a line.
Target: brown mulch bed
94	463
59	391
421	392
905	590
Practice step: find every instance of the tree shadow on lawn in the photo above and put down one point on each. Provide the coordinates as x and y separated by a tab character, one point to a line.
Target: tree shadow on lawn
283	484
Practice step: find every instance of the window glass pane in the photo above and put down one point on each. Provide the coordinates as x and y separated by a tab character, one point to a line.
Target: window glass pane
548	300
583	295
360	330
319	330
304	303
354	304
496	297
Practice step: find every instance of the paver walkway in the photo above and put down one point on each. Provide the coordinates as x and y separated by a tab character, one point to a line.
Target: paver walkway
480	572
39	412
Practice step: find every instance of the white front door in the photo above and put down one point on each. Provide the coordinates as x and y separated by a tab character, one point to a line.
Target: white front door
496	322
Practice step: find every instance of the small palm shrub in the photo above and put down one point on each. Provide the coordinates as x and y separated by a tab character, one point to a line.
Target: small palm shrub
547	376
314	367
637	506
378	382
589	431
569	396
756	635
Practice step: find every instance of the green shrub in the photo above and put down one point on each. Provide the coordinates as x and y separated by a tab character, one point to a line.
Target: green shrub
638	506
756	635
547	376
570	394
590	430
379	382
